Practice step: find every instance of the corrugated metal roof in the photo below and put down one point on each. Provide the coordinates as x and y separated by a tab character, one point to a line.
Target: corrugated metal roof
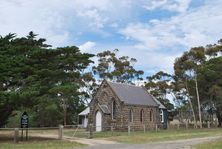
85	112
131	94
161	106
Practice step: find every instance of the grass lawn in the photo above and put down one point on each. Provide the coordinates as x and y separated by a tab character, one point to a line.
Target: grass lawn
49	144
81	133
6	138
163	135
34	142
211	145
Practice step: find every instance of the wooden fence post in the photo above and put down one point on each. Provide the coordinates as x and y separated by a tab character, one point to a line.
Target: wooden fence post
186	124
156	127
111	130
144	128
16	135
128	129
90	131
60	132
178	126
195	126
208	124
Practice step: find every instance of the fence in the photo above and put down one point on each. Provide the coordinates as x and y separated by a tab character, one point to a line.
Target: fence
23	134
70	131
187	125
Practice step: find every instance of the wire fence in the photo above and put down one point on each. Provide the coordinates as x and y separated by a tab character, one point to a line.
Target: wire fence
187	125
73	131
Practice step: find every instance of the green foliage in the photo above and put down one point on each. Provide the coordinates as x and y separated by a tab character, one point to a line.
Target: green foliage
15	118
159	85
119	69
210	80
33	75
198	72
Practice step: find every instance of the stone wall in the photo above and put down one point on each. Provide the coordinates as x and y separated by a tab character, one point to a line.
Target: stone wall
105	96
137	123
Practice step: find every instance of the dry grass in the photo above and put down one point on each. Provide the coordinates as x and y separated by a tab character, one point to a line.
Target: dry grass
165	135
34	142
41	144
211	145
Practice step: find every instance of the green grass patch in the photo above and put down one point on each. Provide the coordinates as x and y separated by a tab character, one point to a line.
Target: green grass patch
210	145
163	135
49	144
81	133
35	142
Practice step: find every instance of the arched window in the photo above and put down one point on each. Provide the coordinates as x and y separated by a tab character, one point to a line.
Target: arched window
113	109
151	115
131	115
161	116
141	115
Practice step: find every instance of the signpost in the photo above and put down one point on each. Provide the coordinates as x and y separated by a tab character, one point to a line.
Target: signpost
25	124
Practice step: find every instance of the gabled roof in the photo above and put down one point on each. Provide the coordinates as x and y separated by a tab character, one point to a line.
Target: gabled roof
161	106
85	112
133	95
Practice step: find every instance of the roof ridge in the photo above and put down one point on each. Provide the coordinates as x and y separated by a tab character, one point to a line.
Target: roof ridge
126	84
131	94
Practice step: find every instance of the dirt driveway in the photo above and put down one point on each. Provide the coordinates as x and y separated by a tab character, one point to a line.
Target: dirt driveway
105	144
178	144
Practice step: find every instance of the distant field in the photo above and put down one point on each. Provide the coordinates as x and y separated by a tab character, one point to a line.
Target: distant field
211	145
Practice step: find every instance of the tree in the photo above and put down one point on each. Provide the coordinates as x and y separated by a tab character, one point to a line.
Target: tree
12	60
214	50
34	75
181	94
159	85
119	69
210	81
186	68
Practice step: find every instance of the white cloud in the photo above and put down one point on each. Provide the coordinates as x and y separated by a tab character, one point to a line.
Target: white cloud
154	43
148	61
170	5
161	41
151	37
194	28
88	46
55	19
23	16
94	15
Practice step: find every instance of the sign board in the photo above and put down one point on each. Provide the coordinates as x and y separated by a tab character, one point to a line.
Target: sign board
25	120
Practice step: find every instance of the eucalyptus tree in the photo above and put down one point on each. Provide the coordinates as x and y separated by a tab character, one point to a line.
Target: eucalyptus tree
119	69
159	85
186	68
210	80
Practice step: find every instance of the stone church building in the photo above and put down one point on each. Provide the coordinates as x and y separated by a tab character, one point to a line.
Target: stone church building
119	105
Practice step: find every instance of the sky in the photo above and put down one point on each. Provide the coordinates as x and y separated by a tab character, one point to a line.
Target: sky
154	32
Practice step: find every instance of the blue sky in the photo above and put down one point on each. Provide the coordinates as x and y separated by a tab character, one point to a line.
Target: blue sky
154	32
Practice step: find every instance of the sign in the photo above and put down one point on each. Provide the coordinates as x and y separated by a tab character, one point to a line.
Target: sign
25	120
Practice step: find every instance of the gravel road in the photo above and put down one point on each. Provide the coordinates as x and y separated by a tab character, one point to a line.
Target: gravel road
178	144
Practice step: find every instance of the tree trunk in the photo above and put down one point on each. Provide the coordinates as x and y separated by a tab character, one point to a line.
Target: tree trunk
198	101
219	118
65	115
191	106
64	106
